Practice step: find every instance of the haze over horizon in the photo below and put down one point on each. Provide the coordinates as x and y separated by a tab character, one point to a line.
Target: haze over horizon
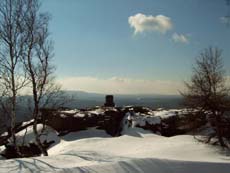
134	47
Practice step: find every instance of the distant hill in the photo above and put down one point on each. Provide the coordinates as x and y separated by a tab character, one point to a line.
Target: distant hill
84	99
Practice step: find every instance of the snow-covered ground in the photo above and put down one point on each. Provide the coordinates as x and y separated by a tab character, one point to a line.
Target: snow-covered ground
136	151
78	113
26	136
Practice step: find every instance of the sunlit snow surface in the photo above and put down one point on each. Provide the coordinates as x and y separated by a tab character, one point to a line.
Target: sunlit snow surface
136	151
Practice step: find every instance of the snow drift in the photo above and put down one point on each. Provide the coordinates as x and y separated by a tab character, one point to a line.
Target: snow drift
136	151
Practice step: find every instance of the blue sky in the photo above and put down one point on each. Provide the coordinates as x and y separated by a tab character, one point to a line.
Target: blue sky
95	42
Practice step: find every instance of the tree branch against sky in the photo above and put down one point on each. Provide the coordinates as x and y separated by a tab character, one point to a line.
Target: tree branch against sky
13	77
37	61
25	55
208	91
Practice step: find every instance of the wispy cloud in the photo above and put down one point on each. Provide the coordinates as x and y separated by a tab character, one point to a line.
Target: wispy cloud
142	23
180	38
117	85
225	19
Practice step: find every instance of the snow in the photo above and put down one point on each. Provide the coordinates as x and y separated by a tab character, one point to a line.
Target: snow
150	117
27	122
164	113
27	136
97	111
101	110
90	133
63	115
137	119
2	148
171	112
142	120
73	111
136	151
79	115
4	134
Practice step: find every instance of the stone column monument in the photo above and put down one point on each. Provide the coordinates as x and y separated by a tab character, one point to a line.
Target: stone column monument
109	101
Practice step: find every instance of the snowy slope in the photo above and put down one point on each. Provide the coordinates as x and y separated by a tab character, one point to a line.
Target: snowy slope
135	152
27	136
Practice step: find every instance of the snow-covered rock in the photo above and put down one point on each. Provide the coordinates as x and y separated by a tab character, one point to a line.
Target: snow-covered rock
107	118
26	136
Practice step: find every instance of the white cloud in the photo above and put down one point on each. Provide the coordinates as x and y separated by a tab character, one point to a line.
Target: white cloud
180	38
116	85
142	23
225	19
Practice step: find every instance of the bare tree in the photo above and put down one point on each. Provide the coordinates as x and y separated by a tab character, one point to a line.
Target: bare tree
13	77
54	97
208	91
38	53
25	56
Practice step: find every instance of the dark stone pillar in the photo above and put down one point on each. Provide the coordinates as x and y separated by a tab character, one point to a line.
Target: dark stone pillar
109	101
